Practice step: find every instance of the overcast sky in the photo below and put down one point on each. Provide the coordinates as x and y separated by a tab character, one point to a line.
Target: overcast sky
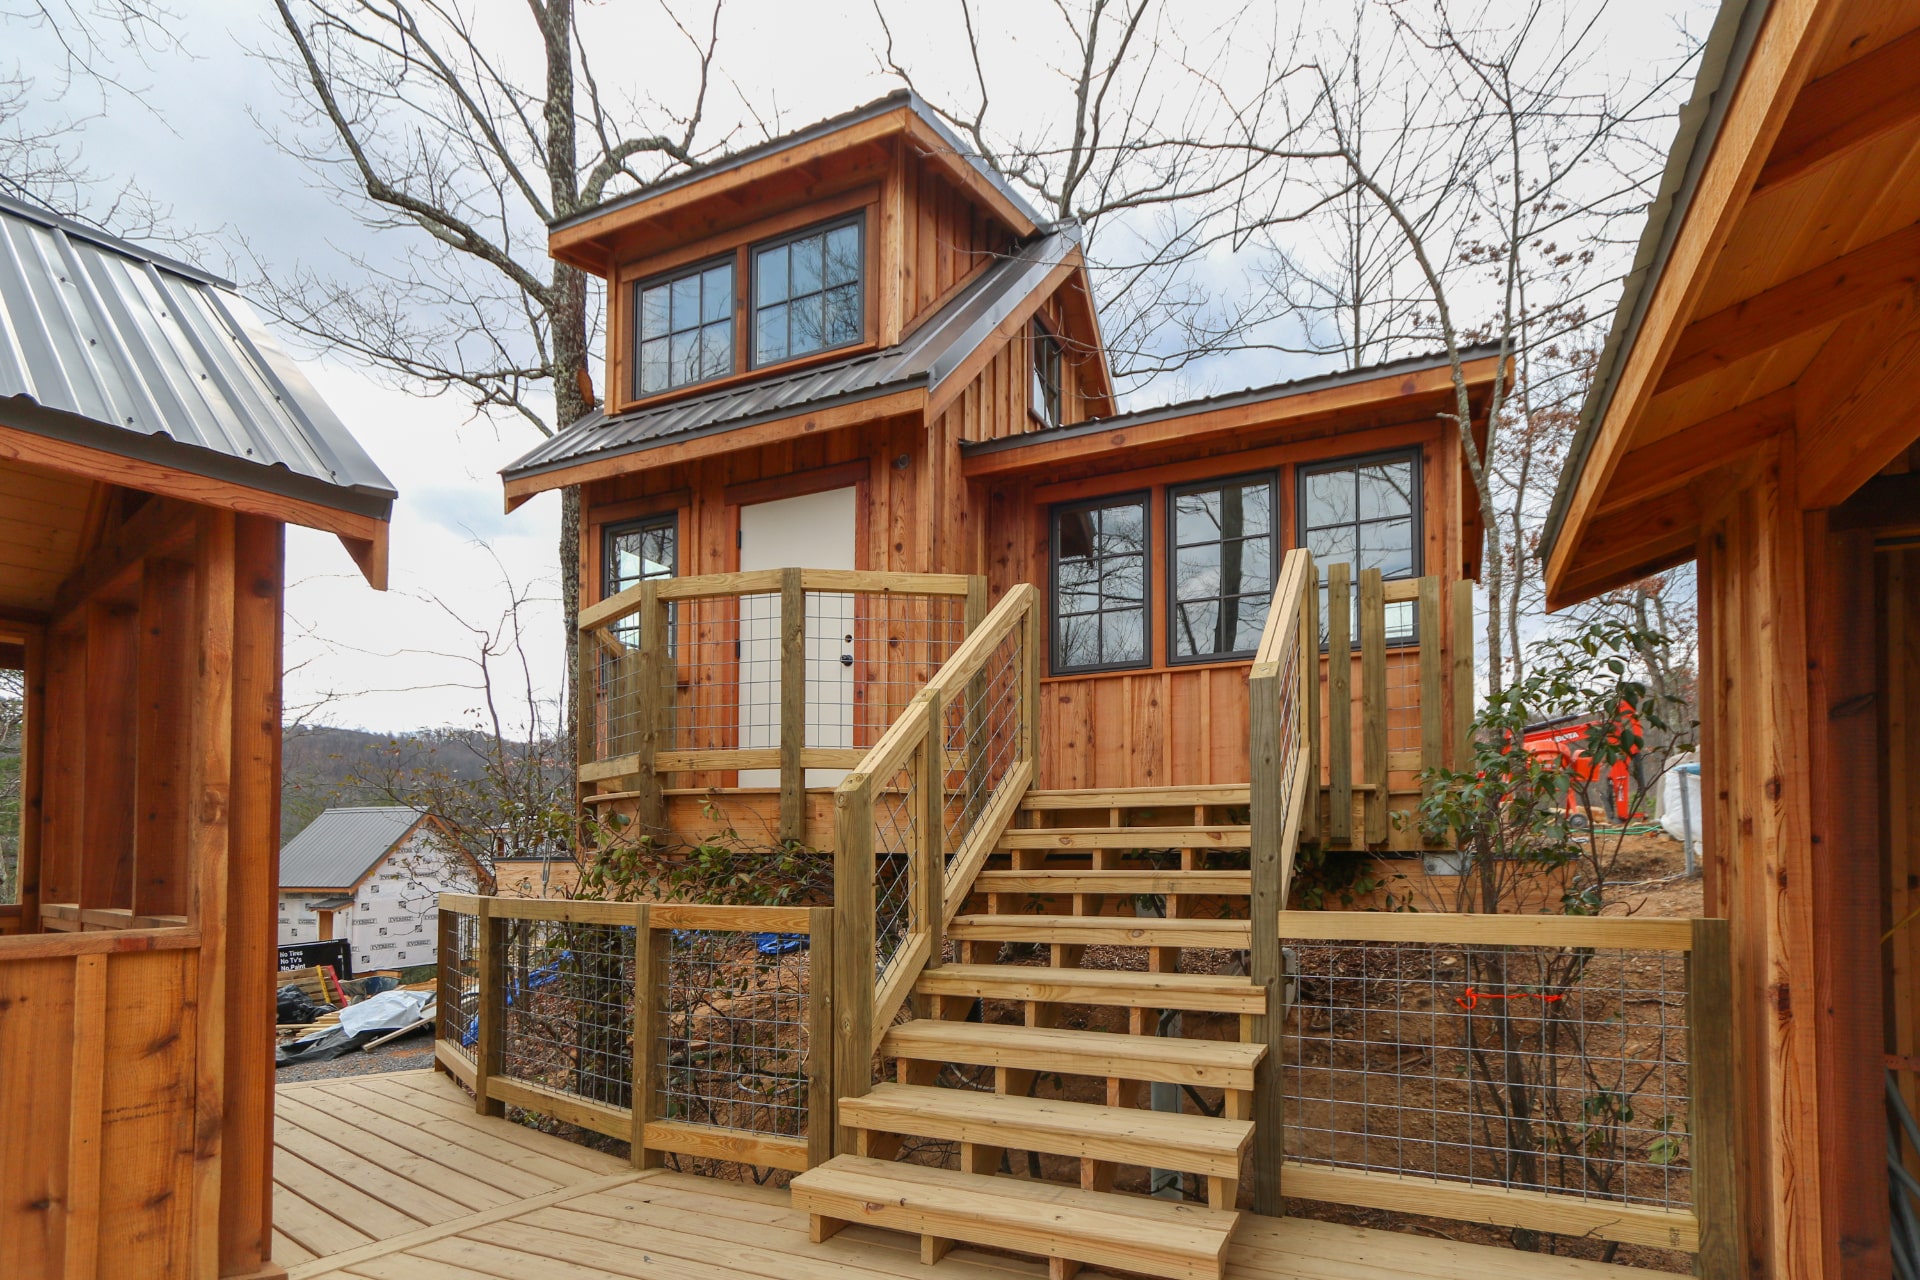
197	139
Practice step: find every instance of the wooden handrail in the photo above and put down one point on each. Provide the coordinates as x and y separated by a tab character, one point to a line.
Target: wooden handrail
1627	933
750	582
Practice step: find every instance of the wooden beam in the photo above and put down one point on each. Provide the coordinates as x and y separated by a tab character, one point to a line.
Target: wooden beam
796	426
1884	504
1671	462
162	526
1624	546
1869	421
1831	291
1845	110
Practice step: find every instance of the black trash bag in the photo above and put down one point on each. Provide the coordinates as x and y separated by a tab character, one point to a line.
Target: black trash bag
292	1007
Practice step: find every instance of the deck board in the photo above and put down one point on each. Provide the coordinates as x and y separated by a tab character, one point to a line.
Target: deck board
470	1195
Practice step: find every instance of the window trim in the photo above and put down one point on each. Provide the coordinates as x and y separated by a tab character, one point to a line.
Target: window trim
1413	453
748	307
1144	497
1171	554
668	277
669	519
1044	338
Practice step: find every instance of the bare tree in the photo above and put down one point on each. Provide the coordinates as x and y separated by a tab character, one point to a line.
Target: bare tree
411	112
1136	135
13	707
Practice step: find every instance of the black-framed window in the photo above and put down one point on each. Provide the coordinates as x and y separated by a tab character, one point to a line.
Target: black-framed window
1365	512
1044	396
809	292
684	329
1221	540
639	549
1100	588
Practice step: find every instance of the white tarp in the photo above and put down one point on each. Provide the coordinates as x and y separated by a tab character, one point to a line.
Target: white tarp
388	1011
1681	822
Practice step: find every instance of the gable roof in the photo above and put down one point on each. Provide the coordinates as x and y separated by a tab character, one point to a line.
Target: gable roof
924	115
110	346
341	845
920	360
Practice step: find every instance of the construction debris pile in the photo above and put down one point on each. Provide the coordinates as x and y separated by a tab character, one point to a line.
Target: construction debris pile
320	1017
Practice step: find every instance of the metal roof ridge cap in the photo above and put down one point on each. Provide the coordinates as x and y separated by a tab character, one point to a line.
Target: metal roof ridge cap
32	212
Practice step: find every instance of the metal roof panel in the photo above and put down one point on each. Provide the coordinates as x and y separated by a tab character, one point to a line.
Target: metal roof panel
342	845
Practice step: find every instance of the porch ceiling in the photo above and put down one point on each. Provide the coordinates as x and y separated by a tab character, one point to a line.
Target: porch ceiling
395	1176
43	529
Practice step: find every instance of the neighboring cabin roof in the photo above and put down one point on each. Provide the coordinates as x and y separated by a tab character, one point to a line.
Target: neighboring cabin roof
110	346
1722	60
922	359
800	137
340	846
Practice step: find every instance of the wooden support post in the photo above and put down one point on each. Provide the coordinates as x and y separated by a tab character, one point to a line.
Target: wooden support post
1034	638
586	699
650	955
653	687
492	1007
88	1064
973	703
1373	700
446	1002
1310	694
1340	702
853	967
821	1109
793	706
1267	798
928	874
1462	682
1710	1045
1433	720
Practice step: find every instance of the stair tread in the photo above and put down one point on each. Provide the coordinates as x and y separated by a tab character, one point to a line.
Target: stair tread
951	976
1123	880
1186	837
1228	793
1172	1059
1193	1143
1131	931
1133	1233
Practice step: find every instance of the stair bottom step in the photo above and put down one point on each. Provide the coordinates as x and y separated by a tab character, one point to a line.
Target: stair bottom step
1127	1233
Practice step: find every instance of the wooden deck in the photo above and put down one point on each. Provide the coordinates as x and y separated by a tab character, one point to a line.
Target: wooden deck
393	1177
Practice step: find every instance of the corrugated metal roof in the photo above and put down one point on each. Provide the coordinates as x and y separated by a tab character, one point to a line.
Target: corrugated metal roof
833	124
341	845
1228	399
924	358
106	344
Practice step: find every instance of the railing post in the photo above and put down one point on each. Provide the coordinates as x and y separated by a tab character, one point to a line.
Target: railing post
491	1007
1373	699
446	1005
1034	643
650	677
586	694
650	955
822	1112
1432	714
853	958
1462	683
928	876
1265	804
1716	1201
793	706
973	700
1310	692
1340	702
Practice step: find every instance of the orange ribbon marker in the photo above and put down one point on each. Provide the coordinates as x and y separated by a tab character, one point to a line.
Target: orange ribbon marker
1473	998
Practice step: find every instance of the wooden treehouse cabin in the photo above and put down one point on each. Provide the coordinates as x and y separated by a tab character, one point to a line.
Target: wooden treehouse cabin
873	568
1759	413
154	442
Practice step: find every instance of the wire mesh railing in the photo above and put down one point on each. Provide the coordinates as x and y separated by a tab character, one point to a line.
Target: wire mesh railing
693	1033
757	678
1533	1071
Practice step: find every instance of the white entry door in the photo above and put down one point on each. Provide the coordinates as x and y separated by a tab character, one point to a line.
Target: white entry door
813	531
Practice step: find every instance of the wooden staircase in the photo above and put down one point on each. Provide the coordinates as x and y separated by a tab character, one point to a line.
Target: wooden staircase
1028	1063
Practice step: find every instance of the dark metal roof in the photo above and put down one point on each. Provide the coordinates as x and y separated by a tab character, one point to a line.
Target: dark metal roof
342	845
773	146
107	345
1722	61
922	359
1229	399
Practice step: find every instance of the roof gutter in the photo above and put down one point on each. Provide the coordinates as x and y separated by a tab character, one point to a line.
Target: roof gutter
1723	61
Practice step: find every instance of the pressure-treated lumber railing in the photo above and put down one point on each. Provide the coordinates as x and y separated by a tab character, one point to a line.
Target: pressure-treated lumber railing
916	820
695	1031
1561	1074
722	672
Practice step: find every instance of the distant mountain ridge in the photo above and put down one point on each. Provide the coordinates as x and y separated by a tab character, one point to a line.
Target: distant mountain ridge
324	767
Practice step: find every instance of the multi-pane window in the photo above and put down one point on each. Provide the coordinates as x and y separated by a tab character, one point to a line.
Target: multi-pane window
1044	398
807	293
1100	584
1220	566
641	549
1365	513
685	330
